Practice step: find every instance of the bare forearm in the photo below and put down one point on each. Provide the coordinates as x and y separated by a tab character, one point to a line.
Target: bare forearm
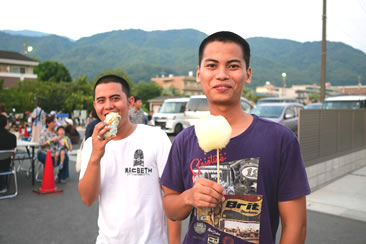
174	230
176	206
293	220
89	185
293	235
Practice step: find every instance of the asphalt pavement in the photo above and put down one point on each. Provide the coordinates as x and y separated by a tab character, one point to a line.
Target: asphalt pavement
336	213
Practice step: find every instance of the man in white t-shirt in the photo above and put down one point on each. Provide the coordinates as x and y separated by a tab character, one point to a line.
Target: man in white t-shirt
123	172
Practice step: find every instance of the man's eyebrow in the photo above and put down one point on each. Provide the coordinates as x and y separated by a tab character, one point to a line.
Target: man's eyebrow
216	61
210	60
234	61
101	97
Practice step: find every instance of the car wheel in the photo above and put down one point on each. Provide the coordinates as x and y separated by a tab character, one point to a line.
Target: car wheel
178	128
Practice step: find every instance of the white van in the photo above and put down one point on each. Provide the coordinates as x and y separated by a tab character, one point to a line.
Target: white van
197	107
171	115
345	102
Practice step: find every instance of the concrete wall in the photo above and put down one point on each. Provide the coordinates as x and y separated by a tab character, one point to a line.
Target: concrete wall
325	172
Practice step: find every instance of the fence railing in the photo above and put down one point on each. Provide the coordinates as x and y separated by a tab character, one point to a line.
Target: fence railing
327	134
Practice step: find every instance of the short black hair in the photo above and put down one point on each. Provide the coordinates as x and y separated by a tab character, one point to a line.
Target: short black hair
116	79
60	127
226	36
3	121
137	98
49	119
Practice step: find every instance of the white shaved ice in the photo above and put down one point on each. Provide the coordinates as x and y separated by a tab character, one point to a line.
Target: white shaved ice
213	132
113	120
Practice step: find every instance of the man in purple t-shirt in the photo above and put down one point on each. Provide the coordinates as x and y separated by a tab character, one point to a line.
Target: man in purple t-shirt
262	174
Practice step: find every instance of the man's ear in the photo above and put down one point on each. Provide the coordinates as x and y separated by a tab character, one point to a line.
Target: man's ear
131	101
198	74
249	74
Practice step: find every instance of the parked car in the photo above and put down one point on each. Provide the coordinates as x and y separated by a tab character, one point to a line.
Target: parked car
345	102
276	100
197	107
314	106
283	113
171	115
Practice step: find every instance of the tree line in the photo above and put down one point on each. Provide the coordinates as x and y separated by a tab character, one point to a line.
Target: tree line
56	91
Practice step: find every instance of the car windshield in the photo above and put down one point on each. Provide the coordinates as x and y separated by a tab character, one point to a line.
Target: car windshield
275	100
268	111
342	105
197	104
172	107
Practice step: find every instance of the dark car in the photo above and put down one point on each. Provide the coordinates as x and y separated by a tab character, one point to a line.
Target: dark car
283	113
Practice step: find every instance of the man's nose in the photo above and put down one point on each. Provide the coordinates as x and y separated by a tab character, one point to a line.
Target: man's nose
222	74
108	104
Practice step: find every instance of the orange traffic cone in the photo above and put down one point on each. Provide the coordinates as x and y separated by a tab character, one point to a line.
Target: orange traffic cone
20	129
25	131
48	181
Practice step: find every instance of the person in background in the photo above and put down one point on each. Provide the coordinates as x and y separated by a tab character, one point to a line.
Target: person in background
136	114
8	141
122	172
48	141
263	160
38	118
149	118
3	110
72	132
90	127
64	145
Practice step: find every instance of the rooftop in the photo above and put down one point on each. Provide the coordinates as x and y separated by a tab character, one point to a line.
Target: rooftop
14	56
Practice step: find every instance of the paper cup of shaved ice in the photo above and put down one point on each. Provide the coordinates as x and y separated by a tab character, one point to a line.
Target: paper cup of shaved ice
213	132
113	120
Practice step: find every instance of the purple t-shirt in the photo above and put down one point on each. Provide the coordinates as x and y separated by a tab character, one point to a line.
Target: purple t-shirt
264	163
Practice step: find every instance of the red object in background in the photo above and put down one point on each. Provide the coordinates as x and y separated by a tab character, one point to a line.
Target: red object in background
20	129
48	181
25	131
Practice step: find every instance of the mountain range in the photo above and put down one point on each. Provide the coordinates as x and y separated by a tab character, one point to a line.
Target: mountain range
144	55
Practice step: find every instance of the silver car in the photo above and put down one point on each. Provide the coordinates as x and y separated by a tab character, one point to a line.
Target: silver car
197	107
286	114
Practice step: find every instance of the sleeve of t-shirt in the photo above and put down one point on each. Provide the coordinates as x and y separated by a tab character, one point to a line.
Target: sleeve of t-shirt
162	151
85	156
172	177
293	179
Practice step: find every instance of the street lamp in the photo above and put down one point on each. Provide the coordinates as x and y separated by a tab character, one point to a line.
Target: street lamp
283	84
27	49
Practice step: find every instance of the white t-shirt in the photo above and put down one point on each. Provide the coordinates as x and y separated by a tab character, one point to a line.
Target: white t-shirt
130	201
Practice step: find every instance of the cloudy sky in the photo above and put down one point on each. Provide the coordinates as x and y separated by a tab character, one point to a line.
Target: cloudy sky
286	19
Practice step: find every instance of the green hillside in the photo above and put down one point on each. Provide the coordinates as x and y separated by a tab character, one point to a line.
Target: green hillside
147	54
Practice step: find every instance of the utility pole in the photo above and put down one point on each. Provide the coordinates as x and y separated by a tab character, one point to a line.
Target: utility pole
359	84
324	55
25	47
283	84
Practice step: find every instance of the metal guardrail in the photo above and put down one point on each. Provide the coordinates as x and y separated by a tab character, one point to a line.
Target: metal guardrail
327	134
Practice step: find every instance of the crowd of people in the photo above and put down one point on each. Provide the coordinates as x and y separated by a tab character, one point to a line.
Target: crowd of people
140	179
52	134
